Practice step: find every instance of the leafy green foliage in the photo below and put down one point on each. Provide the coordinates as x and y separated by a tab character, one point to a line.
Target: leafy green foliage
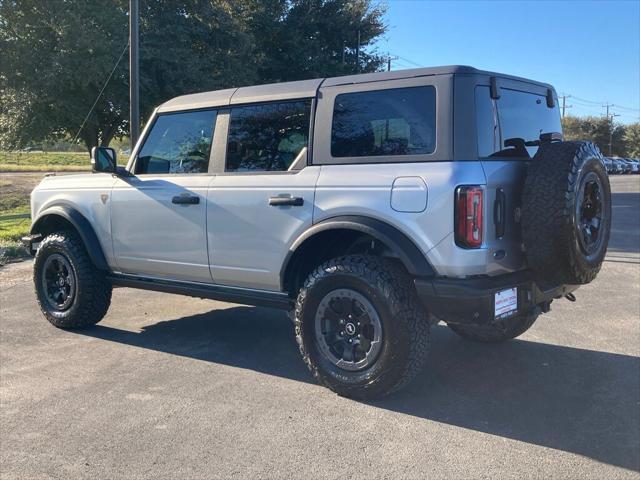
599	129
56	55
632	140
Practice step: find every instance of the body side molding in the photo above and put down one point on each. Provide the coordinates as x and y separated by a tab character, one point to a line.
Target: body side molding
409	254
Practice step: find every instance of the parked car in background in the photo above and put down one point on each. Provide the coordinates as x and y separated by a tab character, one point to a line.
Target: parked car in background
608	163
628	165
635	164
619	165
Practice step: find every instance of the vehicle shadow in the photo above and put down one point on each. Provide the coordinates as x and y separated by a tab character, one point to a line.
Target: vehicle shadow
579	401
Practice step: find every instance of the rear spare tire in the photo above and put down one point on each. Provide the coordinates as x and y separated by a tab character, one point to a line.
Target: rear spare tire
566	212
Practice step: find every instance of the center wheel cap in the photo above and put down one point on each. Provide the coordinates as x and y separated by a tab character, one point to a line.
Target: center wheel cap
350	328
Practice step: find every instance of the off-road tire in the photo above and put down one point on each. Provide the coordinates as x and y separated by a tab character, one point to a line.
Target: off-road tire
92	291
499	330
405	326
550	223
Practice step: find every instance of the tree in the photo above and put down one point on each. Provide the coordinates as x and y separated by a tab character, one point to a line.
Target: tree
56	55
55	58
632	139
596	130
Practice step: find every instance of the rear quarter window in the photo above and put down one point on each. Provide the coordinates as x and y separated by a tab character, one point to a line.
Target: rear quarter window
399	121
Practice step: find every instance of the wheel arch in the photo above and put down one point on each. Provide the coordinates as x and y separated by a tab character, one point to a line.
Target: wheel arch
351	228
63	216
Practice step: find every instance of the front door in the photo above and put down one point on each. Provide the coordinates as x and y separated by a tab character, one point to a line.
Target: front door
158	214
263	198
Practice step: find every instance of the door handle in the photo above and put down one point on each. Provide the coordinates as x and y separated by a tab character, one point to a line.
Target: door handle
499	213
286	201
186	200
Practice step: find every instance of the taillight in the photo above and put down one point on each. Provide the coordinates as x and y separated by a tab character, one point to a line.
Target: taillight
468	216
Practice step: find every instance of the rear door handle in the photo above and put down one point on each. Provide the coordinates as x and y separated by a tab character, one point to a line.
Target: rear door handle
286	201
186	200
499	213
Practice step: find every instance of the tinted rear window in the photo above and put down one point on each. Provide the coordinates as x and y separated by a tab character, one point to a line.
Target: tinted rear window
522	116
269	136
399	121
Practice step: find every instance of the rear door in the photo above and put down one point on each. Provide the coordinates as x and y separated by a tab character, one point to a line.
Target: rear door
506	128
158	214
262	197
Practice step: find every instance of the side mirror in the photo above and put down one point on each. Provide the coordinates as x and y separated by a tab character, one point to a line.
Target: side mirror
103	159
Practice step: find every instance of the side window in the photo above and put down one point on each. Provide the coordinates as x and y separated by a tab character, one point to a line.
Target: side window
178	143
399	121
486	123
268	137
523	117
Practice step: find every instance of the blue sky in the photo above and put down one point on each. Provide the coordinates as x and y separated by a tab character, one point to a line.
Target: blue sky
587	49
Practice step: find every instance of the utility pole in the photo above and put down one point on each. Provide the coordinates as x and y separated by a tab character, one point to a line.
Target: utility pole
134	112
389	59
610	117
358	53
564	105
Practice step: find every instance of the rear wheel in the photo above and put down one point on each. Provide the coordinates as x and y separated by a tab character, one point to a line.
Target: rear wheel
71	292
360	327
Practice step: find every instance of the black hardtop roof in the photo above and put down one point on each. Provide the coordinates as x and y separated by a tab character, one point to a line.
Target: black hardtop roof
309	88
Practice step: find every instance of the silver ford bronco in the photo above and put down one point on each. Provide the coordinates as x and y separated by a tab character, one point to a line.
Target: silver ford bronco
370	207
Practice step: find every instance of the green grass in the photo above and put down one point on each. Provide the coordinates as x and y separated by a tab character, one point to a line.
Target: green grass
43	161
14	223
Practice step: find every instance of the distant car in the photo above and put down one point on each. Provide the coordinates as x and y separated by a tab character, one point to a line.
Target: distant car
620	165
628	166
614	167
635	165
37	148
608	163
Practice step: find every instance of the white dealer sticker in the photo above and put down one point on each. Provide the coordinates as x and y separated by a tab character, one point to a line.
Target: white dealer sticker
506	302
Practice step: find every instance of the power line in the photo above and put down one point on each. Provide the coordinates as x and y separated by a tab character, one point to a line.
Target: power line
411	62
626	108
588	101
101	91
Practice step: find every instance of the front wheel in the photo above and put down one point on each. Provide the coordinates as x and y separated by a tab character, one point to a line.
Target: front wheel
72	293
360	327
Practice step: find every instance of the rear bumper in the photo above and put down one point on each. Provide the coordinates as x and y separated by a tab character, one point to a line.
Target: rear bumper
472	300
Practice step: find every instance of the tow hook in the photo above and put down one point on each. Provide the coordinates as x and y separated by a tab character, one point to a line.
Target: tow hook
571	297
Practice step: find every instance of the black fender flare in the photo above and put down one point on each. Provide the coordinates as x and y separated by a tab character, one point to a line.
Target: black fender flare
82	226
408	253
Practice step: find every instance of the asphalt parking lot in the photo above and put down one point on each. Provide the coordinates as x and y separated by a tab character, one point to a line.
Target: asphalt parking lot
173	387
